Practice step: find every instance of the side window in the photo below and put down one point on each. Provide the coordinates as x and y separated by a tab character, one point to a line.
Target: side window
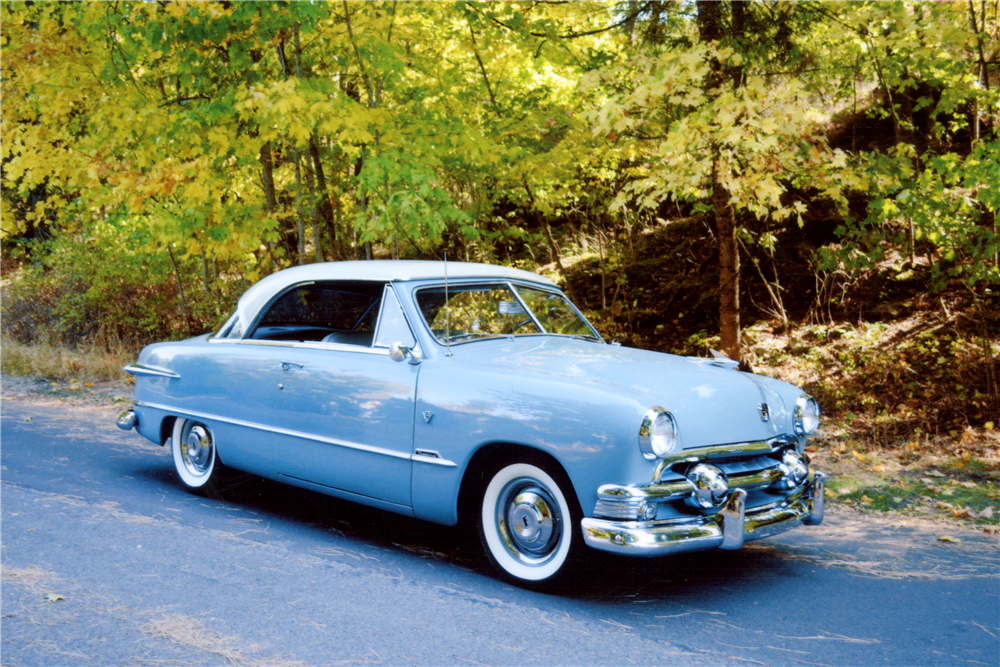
392	326
225	331
330	312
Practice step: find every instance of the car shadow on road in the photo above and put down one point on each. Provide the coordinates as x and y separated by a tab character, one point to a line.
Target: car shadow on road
686	577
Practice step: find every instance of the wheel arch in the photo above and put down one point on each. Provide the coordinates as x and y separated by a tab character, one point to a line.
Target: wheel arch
167	428
489	457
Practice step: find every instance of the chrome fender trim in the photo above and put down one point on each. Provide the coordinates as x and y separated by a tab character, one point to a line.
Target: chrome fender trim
141	370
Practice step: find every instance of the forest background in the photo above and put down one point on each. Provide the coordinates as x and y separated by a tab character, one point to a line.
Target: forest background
811	187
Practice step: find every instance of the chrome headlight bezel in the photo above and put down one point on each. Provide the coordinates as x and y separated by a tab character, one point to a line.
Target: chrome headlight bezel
806	415
657	434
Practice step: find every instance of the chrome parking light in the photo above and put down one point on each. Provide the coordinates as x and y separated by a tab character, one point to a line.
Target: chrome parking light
795	467
710	486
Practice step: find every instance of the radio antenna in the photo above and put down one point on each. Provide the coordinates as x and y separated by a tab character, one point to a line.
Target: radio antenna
447	309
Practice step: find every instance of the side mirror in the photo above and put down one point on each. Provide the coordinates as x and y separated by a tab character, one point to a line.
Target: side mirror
399	352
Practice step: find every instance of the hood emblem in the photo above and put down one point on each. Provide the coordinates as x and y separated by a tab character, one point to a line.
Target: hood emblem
765	414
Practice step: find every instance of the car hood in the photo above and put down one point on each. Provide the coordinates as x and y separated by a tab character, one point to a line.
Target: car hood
712	405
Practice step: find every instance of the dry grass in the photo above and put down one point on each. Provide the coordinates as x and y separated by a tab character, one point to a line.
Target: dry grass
192	633
34	578
61	363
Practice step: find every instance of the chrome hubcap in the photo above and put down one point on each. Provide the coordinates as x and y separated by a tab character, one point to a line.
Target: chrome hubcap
529	521
197	450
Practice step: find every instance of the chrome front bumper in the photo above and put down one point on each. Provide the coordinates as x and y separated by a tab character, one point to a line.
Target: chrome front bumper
726	529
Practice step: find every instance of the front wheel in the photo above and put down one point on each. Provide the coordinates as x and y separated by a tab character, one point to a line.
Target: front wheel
526	525
195	459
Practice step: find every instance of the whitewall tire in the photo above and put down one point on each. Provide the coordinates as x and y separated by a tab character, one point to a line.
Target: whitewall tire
193	447
526	524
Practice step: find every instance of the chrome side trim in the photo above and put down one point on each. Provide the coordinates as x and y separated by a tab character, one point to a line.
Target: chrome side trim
280	431
142	370
421	456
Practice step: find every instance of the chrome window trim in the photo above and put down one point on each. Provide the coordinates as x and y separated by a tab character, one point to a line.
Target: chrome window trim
391	288
511	285
299	434
315	345
141	370
572	305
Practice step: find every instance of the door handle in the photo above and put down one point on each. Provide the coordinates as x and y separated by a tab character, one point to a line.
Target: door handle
289	365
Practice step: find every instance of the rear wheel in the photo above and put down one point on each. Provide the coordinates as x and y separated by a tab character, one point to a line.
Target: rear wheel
527	525
195	458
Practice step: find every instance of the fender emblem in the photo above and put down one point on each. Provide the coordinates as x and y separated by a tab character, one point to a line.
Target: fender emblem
427	416
765	414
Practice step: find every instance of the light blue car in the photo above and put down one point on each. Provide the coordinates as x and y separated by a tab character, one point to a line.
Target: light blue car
457	391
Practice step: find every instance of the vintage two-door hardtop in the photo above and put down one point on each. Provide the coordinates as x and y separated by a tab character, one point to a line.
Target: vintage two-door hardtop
449	390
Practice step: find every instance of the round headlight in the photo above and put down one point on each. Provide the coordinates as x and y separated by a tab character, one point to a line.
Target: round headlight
657	434
806	416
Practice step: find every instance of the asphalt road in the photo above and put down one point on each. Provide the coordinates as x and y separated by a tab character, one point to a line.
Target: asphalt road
139	571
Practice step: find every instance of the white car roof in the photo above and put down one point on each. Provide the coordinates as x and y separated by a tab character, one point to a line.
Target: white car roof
261	293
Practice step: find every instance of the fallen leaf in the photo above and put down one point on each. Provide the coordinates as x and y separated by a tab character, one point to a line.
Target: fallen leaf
55	384
866	500
54	597
969	485
949	538
991	529
879	468
74	387
948	492
88	385
944	506
935	473
962	513
829	493
858	455
988	426
987	513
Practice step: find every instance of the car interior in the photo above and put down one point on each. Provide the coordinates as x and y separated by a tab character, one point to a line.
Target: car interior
329	311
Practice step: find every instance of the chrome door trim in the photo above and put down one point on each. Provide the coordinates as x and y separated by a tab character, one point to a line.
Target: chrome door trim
420	458
315	345
150	371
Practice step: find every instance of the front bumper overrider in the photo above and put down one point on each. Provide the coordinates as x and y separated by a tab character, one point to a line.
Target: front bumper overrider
728	528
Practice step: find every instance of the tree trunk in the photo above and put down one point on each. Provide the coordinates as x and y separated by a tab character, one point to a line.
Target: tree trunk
324	208
270	198
180	290
710	30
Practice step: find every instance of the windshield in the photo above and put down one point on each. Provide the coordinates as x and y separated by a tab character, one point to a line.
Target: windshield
489	311
555	313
